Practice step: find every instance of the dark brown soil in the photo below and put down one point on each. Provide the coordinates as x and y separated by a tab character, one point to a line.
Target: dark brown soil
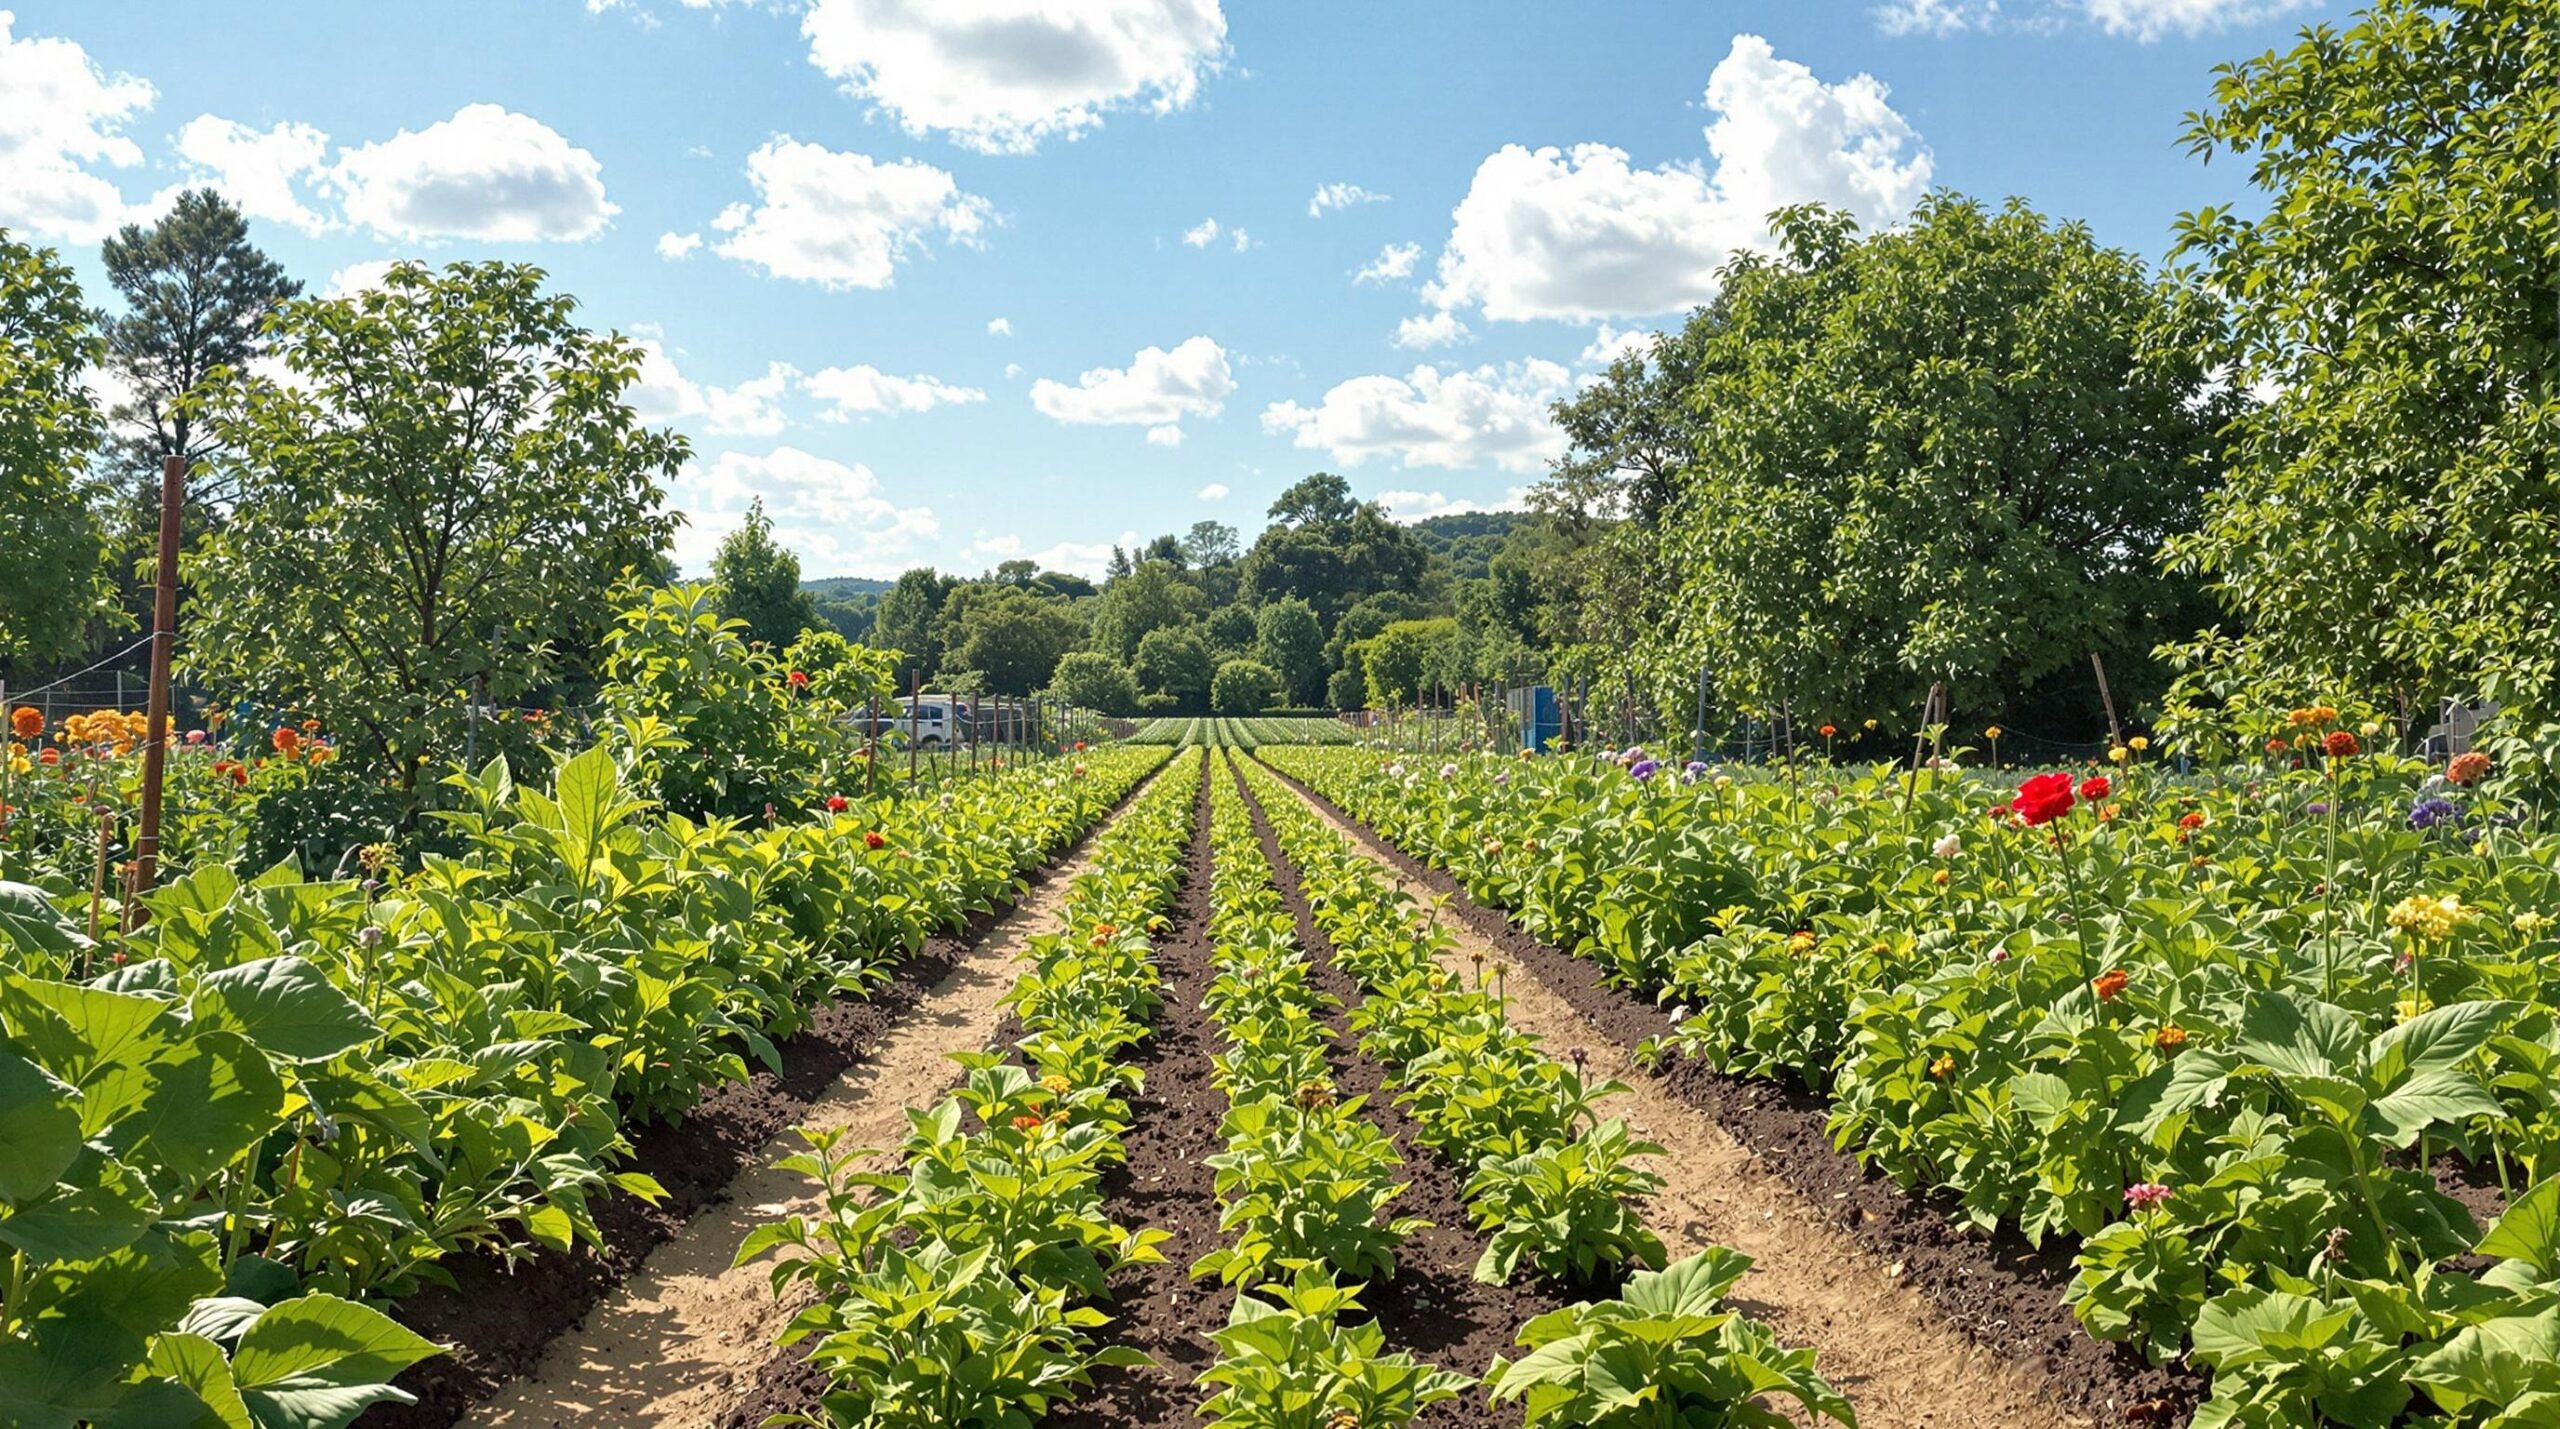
1159	1309
1434	1307
2001	1292
497	1322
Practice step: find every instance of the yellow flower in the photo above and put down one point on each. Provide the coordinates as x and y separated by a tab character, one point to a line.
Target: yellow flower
1800	943
1944	1067
2119	754
1991	733
2531	923
1871	724
2139	743
2429	919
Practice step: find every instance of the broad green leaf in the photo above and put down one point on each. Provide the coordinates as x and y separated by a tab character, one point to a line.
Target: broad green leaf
2437	1040
39	1127
2530	1229
284	1005
209	1099
322	1340
199	1365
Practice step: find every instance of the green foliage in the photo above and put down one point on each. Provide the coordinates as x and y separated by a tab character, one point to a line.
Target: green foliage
1011	637
1288	638
1176	662
1329	550
55	576
1290	1363
1946	451
1407	658
2387	526
1244	687
712	726
460	430
1094	681
757	583
1150	598
1664	1353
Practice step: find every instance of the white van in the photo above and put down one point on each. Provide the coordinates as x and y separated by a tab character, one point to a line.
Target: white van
934	721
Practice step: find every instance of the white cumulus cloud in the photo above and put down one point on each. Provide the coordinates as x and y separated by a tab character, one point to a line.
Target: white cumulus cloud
1422	505
1582	234
1440	329
1168	435
260	170
1002	76
60	117
837	519
1329	196
2149	20
843	220
753	408
999	327
1935	17
1394	263
1485	416
676	247
854	391
358	276
1214	491
488	174
1157	389
1207	231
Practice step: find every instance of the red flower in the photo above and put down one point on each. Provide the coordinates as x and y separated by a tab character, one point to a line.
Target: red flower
2043	799
2277	746
1829	730
2191	821
2341	744
50	756
2109	985
874	840
286	739
1079	746
2095	789
836	803
799	679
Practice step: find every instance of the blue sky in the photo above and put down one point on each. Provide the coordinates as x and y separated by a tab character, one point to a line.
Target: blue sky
938	278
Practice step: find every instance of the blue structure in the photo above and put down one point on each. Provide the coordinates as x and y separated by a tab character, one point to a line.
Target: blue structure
1534	713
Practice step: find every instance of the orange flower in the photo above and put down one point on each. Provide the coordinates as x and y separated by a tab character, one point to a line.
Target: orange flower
2341	744
311	726
2191	821
286	740
2109	985
1027	1122
1944	1067
26	721
1829	730
2466	768
2170	1037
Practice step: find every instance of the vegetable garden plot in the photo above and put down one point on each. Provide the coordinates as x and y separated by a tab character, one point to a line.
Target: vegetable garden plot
1889	1350
2237	941
294	1093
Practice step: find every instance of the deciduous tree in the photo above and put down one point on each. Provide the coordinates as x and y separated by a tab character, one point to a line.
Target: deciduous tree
53	576
432	512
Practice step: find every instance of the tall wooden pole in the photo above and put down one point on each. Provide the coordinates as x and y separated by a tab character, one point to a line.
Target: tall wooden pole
2115	731
164	640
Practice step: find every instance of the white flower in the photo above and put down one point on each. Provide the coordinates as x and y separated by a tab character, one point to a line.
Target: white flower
1947	847
1448	771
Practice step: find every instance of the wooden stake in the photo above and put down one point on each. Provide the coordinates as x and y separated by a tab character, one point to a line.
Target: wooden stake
164	639
2115	732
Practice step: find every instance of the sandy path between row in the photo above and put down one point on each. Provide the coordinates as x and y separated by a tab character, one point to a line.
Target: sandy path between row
683	1337
1882	1344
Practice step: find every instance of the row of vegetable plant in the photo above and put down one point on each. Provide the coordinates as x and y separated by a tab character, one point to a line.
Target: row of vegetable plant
1553	1185
964	1288
1306	1182
285	1091
2226	1032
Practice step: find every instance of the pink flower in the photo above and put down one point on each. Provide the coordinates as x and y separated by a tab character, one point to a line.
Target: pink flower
2148	1193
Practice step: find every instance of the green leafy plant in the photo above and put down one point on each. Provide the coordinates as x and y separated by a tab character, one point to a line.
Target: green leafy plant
1288	1362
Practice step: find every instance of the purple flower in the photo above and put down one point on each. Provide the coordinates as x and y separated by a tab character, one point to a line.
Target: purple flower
1693	771
2433	814
2317	811
1644	769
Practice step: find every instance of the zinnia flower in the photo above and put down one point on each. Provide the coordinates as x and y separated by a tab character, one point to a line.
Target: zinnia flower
2043	799
2467	767
1027	1123
1943	1067
2148	1193
2341	744
1800	942
26	721
286	740
837	803
2095	789
1947	847
2191	821
1829	730
799	679
874	839
2109	985
2170	1037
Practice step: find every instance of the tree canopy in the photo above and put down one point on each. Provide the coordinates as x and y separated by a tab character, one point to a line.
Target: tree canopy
462	432
757	583
54	576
